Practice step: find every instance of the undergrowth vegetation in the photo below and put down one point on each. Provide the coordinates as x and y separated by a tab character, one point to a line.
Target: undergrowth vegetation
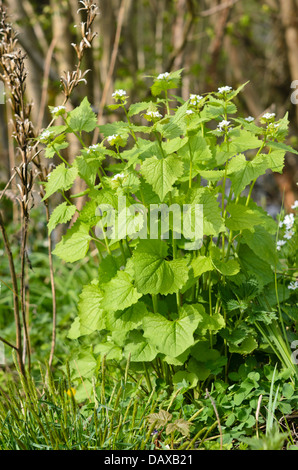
175	292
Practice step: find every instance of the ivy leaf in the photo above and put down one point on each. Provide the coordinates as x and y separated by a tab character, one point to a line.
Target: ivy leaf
60	215
74	245
119	292
173	337
82	118
162	173
61	178
153	273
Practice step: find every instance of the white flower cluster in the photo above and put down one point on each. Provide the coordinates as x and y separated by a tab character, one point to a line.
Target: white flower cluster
119	175
57	109
288	224
92	148
293	285
154	114
195	99
163	76
45	135
118	94
112	138
223	125
268	116
249	119
224	89
189	111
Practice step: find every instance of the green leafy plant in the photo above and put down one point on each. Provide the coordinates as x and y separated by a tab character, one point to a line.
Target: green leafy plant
181	293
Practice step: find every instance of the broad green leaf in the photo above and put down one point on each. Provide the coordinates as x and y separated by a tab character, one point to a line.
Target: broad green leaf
242	217
127	319
60	215
108	268
242	172
74	245
55	147
200	265
261	243
266	220
61	178
213	223
87	168
196	150
176	125
275	160
162	173
173	337
119	293
247	346
90	312
211	175
139	349
227	268
119	127
240	141
82	118
136	108
110	350
168	83
182	376
254	265
153	273
205	322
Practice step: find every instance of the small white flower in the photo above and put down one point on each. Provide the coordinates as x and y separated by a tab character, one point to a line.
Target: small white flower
154	114
295	205
110	138
119	175
279	244
223	124
92	148
163	76
224	89
249	119
118	94
288	235
57	109
195	99
45	135
289	221
189	111
268	115
293	285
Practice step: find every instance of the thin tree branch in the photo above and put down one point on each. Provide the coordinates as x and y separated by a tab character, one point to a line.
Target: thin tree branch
120	20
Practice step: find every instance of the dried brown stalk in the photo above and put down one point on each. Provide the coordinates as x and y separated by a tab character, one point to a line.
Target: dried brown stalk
14	76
